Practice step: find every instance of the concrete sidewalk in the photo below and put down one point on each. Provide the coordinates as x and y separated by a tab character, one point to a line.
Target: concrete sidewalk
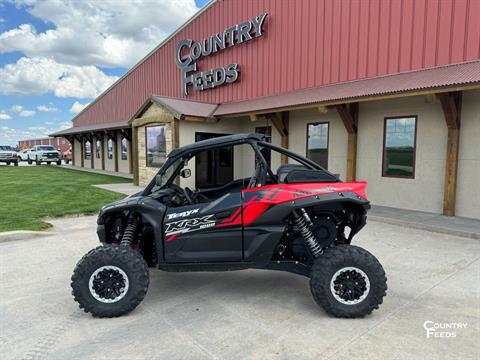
451	225
98	171
125	188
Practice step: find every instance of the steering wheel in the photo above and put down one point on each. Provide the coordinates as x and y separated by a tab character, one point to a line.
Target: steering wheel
188	195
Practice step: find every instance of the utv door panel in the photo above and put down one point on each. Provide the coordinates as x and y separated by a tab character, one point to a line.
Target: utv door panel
206	232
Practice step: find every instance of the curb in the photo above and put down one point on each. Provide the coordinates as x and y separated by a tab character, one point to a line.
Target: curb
23	235
426	227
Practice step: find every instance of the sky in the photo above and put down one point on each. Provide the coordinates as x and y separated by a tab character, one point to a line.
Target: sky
56	56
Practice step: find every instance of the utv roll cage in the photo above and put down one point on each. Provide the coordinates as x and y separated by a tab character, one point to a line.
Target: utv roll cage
255	140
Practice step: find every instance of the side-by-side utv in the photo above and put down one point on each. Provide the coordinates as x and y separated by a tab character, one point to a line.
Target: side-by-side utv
299	218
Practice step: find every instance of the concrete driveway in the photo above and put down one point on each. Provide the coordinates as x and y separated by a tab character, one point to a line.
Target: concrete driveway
250	314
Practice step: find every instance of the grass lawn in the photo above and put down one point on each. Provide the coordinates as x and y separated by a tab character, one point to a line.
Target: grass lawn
29	193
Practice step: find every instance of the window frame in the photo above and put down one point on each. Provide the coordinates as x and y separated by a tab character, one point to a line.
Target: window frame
146	145
328	140
126	148
98	149
85	140
385	119
110	154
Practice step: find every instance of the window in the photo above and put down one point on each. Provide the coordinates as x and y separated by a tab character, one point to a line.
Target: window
399	147
317	143
124	149
98	146
156	145
213	168
267	131
88	151
110	148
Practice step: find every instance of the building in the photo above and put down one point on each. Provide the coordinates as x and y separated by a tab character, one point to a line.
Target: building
382	91
57	142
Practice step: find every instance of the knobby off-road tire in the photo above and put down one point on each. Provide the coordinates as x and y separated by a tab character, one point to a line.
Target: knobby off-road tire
349	264
128	261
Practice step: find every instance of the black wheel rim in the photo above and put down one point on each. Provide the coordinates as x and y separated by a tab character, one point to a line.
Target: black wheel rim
108	284
350	285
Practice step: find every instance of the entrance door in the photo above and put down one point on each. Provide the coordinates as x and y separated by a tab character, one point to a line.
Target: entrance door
213	168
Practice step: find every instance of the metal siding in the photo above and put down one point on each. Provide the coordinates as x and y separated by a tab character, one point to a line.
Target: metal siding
306	43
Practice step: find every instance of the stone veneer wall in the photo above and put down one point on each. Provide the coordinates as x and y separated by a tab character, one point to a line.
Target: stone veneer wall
155	115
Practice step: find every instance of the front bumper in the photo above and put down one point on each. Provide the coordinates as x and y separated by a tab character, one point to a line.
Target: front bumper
47	158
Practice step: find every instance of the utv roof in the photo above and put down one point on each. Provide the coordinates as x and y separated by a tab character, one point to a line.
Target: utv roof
219	141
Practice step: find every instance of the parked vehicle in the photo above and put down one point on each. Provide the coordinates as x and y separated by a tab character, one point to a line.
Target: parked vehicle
8	155
43	153
23	155
294	220
67	155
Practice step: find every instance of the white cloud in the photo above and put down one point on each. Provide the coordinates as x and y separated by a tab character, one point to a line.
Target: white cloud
22	112
46	108
37	76
26	113
107	33
11	135
77	107
4	116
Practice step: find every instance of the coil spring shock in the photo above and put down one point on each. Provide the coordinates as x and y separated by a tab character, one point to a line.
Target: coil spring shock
304	224
130	231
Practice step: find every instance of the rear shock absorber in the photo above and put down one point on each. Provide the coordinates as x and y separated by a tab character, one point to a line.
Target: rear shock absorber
304	224
130	231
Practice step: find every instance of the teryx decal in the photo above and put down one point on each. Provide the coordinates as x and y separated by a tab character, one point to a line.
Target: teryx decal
182	214
187	225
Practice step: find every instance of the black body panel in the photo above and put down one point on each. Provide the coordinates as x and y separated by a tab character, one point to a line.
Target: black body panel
195	233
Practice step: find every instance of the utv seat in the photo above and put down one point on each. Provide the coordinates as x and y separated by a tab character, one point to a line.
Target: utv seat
295	173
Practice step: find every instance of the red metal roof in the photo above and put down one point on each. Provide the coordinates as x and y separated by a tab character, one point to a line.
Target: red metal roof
306	44
445	76
185	107
91	127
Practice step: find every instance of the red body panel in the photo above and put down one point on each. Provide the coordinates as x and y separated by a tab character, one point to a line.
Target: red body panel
280	193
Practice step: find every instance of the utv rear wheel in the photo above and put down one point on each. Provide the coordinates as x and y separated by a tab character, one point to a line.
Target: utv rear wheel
348	281
110	281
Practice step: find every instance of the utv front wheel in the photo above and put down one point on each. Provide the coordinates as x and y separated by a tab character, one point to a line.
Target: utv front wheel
348	281
110	281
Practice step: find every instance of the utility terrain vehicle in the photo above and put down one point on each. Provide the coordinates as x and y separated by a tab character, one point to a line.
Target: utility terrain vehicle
299	219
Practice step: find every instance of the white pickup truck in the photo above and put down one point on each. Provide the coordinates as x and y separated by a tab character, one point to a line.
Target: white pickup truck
8	155
44	153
